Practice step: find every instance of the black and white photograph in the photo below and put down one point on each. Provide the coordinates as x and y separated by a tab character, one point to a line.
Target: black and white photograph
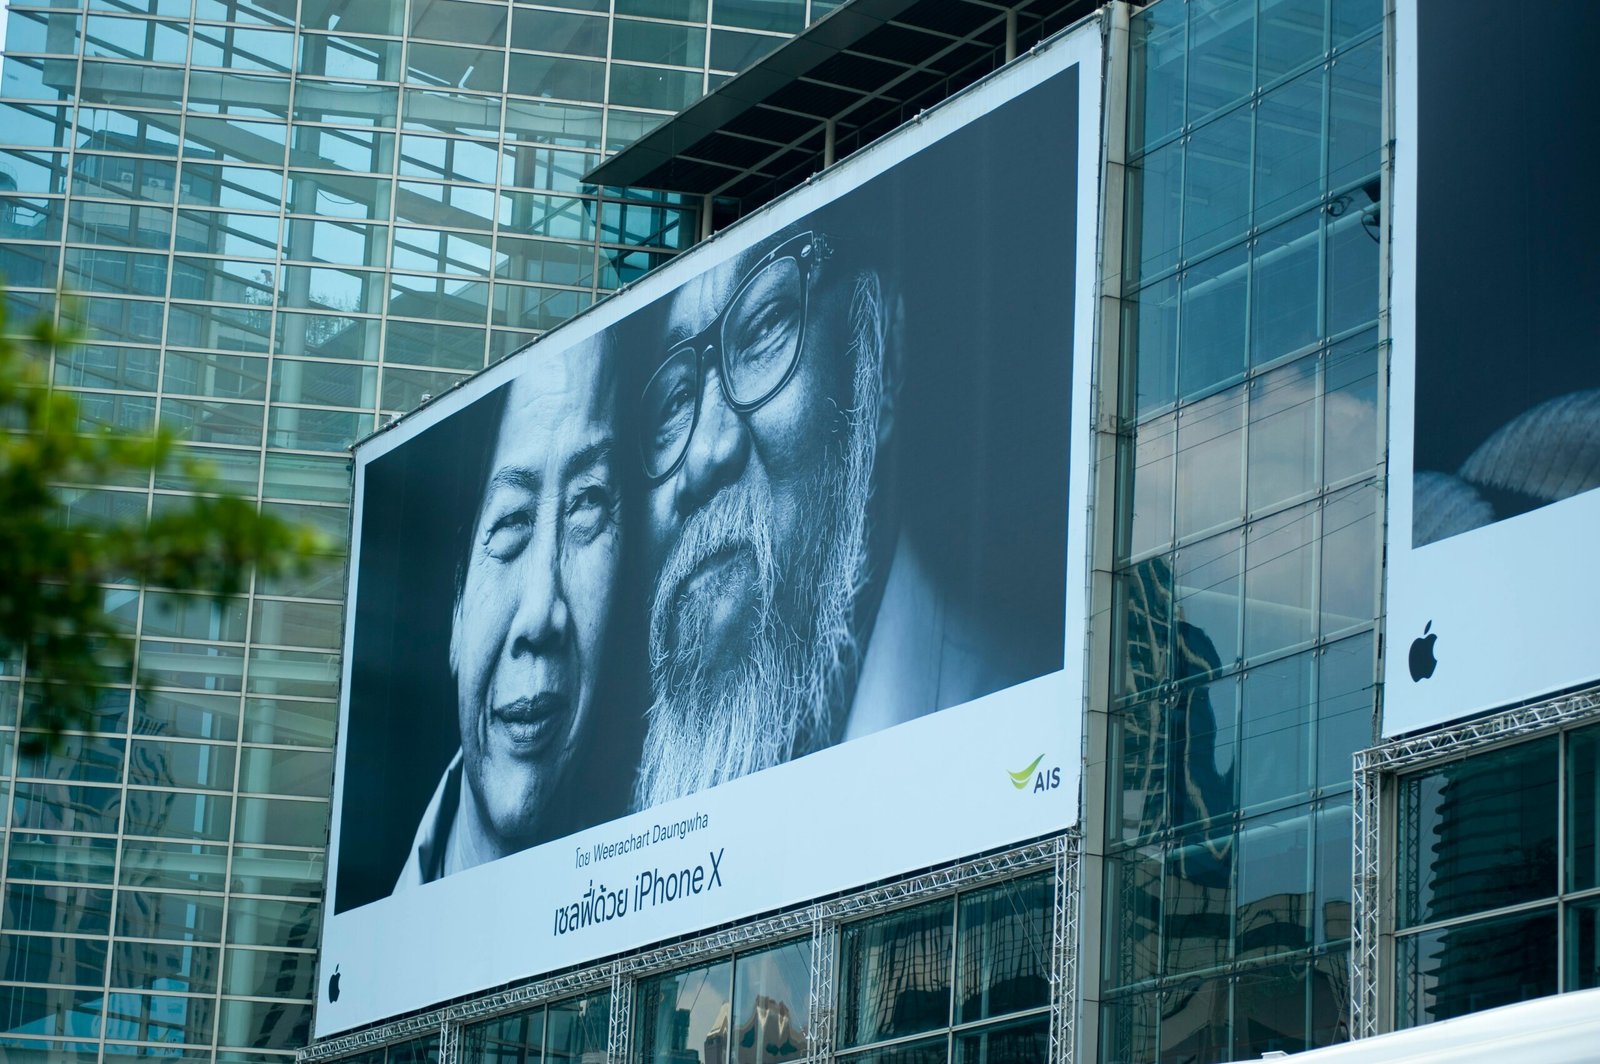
816	491
1508	367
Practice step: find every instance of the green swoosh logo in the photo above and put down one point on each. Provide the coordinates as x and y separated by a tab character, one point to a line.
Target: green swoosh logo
1020	779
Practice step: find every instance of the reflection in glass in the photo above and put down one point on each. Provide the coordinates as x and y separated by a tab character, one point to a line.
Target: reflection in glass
1210	463
1216	181
1583	808
1288	170
1274	897
894	975
1269	1011
1212	339
1003	949
1486	833
1206	587
771	999
1280	581
1470	967
1275	743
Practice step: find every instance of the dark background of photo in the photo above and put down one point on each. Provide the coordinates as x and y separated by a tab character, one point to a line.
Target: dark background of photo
1507	271
976	233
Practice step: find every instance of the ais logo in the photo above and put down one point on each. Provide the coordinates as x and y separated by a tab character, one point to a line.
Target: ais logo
1041	779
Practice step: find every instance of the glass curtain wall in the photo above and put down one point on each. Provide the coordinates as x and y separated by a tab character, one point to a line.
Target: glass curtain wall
287	220
1251	526
1499	878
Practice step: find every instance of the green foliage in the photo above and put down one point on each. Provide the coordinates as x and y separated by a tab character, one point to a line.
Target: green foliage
52	570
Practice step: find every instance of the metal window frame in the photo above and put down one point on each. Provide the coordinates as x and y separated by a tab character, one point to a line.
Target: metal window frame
1374	811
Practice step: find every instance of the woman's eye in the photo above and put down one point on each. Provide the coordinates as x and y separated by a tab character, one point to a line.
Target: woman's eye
590	511
508	535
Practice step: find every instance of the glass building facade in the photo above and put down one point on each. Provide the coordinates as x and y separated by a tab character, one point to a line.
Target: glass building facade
287	222
1247	570
292	220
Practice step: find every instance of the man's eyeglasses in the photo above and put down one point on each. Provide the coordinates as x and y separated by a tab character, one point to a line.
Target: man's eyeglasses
756	340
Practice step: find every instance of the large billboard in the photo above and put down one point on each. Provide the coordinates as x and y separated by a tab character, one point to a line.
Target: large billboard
1494	457
764	579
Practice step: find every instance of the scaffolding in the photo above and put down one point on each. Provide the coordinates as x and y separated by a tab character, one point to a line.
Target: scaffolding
820	920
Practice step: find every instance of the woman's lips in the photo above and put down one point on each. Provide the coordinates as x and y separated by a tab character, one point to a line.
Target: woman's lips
530	722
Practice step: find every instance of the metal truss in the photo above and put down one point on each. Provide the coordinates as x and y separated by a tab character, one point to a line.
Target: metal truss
1064	952
621	1016
449	1042
819	920
824	947
1375	771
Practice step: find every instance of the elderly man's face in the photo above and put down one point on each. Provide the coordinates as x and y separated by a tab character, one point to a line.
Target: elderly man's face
531	626
774	454
756	534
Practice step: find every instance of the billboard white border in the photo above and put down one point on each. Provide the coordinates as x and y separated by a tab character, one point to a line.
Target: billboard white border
1512	604
406	939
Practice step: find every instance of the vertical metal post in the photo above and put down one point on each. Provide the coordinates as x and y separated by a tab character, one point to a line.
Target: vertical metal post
824	948
1011	34
621	1026
450	1042
705	216
1064	953
830	131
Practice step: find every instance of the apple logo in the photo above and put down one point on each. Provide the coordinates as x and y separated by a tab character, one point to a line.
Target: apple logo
333	984
1422	660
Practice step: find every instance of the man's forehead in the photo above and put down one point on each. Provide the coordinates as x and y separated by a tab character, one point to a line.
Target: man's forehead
696	304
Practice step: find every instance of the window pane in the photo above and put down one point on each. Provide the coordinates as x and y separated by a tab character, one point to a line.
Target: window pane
1206	595
1197	903
1210	463
1280	581
1355	116
1002	949
515	1039
177	917
1583	809
578	1028
158	763
1156	185
1289	148
1583	945
178	865
1275	748
1350	408
1486	834
772	1004
1352	271
262	973
572	34
1204	728
1283	435
684	1015
1335	844
1344	707
1221	48
1471	967
1216	183
1289	35
1153	341
1153	464
1269	1011
164	966
895	975
1274	887
1159	41
1212	346
1350	543
1285	289
1012	1043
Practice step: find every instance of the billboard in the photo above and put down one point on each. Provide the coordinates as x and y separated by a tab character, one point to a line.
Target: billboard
762	580
1495	380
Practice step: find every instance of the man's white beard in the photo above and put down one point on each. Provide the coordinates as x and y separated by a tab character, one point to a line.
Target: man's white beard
720	713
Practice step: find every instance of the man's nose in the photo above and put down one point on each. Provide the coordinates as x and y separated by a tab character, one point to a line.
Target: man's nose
541	619
718	449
